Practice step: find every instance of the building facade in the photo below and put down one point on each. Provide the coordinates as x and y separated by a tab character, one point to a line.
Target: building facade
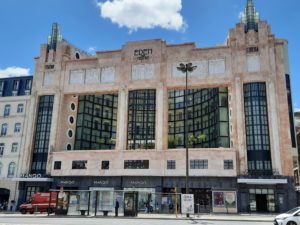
296	153
122	119
14	102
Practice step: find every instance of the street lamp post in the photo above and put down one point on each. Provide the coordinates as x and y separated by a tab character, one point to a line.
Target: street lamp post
185	68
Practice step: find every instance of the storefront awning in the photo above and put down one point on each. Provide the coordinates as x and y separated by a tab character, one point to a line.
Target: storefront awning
261	181
40	179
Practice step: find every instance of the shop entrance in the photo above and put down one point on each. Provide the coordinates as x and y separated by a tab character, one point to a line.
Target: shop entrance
202	199
262	200
4	196
261	203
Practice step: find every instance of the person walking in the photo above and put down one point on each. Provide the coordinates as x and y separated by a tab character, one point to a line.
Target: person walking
116	207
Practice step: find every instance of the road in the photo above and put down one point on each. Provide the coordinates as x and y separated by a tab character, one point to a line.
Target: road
118	221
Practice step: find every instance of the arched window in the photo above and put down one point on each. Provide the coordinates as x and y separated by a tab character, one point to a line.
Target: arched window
11	169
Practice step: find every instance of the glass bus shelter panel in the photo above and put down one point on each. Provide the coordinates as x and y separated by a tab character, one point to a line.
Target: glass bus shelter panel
131	203
78	203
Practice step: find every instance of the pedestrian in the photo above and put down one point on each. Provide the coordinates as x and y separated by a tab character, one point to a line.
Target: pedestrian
116	207
5	205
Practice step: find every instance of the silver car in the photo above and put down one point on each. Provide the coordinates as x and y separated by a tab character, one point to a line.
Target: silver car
291	217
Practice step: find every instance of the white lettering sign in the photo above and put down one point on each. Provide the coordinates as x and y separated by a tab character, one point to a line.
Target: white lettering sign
31	175
101	182
138	182
67	182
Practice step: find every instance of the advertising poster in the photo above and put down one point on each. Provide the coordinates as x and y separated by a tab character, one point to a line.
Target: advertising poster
187	203
230	199
219	199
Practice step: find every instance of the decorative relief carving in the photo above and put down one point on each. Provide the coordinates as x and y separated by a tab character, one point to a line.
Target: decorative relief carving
204	68
143	72
216	66
76	77
48	79
92	76
108	75
253	63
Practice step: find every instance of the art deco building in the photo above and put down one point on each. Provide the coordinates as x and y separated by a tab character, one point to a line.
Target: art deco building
116	120
14	102
296	153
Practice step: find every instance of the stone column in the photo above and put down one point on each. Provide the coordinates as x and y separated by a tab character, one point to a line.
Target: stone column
273	127
242	151
159	117
121	124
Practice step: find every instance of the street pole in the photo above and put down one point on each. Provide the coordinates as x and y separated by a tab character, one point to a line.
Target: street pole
185	68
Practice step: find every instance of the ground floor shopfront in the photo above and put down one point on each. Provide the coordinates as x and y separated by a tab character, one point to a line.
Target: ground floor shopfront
211	194
8	194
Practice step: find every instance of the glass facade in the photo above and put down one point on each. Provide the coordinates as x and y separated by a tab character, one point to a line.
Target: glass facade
141	119
96	122
257	128
291	112
207	118
42	134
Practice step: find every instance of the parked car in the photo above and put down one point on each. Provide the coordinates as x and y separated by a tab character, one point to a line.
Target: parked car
39	202
291	217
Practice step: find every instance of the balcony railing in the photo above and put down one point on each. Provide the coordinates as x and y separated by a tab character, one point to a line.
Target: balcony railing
260	173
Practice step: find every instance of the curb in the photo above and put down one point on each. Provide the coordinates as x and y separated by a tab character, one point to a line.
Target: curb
146	218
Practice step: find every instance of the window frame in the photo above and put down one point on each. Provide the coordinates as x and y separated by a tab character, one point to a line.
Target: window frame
14	147
57	165
18	128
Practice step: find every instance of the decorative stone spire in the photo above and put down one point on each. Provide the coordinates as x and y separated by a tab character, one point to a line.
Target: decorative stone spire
55	37
250	17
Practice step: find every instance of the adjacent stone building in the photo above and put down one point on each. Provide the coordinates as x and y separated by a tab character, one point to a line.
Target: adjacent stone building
14	104
118	120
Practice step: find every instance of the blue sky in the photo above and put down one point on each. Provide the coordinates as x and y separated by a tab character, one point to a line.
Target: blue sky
25	24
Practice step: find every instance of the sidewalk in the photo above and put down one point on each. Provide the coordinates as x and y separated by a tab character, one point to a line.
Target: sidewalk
209	217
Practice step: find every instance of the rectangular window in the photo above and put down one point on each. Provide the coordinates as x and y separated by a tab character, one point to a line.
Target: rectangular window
16	85
105	165
28	84
171	164
257	128
4	128
141	119
207	123
6	110
17	128
2	146
136	164
96	122
228	164
20	108
57	165
199	164
290	107
1	87
43	128
79	164
14	147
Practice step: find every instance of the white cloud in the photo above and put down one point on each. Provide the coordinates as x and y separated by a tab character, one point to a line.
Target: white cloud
145	14
14	71
91	50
